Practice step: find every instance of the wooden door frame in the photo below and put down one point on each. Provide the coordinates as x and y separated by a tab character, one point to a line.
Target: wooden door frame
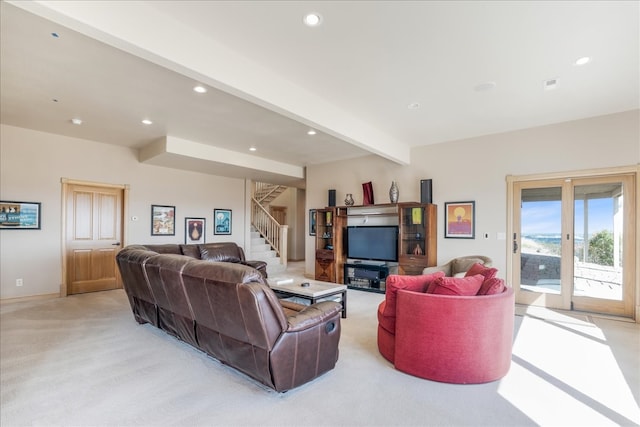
588	173
66	183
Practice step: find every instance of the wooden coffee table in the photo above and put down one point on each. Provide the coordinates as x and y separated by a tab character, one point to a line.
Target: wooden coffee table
316	290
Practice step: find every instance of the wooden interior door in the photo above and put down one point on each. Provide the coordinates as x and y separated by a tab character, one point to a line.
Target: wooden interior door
279	213
93	237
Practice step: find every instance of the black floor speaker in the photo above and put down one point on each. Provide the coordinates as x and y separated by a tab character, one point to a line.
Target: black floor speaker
425	191
332	198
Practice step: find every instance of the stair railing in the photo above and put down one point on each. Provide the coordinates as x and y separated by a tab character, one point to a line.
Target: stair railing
273	233
264	192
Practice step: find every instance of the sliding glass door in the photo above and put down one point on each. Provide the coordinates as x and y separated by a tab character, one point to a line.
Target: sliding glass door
573	243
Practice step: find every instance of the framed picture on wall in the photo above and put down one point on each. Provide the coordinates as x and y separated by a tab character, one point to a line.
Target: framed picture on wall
194	230
222	221
312	222
163	220
19	215
460	220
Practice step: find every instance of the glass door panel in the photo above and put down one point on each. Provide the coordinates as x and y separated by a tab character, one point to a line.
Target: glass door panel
598	232
603	241
538	245
572	239
541	238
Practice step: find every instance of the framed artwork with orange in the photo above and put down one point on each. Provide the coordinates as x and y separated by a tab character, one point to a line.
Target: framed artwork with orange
460	220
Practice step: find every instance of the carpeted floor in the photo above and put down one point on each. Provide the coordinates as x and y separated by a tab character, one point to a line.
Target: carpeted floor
84	361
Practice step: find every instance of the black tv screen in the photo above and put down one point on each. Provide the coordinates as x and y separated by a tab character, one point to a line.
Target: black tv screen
376	243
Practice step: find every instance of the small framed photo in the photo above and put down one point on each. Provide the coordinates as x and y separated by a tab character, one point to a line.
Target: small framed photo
312	222
163	220
222	221
19	215
460	220
194	230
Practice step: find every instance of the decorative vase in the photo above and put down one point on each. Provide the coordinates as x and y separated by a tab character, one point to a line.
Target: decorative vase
393	192
367	193
349	200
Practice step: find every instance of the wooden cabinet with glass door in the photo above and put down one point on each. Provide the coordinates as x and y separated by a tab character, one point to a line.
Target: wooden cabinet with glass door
329	256
418	238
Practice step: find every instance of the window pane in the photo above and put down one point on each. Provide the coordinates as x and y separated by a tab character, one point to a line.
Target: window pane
598	232
541	232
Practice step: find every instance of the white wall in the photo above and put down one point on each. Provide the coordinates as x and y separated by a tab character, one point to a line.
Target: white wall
476	169
293	199
31	166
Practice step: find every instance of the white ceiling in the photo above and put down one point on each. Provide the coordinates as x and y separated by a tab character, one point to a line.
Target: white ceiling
271	78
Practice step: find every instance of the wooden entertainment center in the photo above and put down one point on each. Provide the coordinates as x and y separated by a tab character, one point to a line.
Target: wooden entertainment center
417	243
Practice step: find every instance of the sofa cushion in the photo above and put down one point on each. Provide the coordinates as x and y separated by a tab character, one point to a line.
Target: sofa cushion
221	252
192	251
487	272
410	283
166	248
493	285
464	264
456	285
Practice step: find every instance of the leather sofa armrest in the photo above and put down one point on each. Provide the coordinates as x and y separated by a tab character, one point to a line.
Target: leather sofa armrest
294	306
311	335
313	315
261	266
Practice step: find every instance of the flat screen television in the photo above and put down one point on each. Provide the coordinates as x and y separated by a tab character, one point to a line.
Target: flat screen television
373	242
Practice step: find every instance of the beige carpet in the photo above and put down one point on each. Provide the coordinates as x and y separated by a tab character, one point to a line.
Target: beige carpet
84	361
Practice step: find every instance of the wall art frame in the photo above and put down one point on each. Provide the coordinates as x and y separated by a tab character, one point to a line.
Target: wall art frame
312	222
195	230
19	215
163	220
460	220
222	221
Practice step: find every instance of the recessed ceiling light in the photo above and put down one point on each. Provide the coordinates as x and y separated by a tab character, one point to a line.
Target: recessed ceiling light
76	121
413	106
483	87
253	149
311	132
550	84
200	89
147	122
312	19
582	61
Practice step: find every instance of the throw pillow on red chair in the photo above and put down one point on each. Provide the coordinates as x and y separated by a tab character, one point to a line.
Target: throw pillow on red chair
492	286
487	272
397	282
456	285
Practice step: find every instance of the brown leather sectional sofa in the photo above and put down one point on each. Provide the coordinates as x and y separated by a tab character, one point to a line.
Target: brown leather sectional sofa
227	310
221	251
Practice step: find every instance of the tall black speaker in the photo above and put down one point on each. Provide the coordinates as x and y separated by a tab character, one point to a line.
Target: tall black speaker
425	191
332	198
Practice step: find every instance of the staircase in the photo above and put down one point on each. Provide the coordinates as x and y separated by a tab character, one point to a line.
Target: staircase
266	193
261	250
268	238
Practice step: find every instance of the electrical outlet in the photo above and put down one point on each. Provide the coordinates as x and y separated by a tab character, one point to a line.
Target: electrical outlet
18	282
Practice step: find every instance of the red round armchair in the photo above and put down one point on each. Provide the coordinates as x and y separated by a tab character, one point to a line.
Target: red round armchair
444	329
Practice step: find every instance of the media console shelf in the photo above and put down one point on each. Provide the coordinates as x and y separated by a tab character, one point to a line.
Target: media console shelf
417	242
367	277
